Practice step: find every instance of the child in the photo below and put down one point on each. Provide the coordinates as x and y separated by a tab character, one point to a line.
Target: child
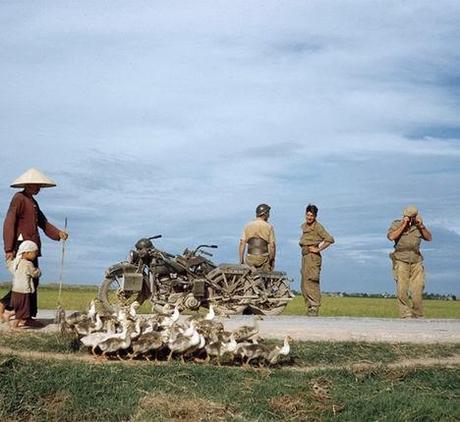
24	272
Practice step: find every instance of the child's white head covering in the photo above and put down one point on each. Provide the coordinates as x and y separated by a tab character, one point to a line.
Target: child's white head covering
26	246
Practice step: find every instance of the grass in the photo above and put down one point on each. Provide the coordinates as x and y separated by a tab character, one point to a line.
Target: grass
78	298
372	307
138	391
47	389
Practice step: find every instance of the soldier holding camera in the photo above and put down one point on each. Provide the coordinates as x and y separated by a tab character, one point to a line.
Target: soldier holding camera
408	271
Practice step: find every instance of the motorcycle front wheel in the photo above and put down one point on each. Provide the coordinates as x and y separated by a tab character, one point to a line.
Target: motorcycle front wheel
113	297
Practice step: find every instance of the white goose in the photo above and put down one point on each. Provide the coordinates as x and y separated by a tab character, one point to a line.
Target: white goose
273	356
182	343
147	343
87	326
117	342
92	340
167	321
219	348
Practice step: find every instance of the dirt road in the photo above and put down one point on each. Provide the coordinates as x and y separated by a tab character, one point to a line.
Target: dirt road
334	328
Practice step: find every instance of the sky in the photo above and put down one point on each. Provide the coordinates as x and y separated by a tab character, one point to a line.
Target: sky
178	118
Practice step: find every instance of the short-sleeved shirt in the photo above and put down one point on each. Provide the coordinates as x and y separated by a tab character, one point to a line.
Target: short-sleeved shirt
407	247
313	234
259	228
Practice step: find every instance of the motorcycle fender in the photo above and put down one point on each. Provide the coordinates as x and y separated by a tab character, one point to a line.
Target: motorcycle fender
119	269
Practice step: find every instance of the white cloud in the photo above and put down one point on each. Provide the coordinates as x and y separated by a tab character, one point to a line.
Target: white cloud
180	118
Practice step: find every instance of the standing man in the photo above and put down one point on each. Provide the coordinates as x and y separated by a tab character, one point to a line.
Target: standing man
313	240
408	271
260	238
22	221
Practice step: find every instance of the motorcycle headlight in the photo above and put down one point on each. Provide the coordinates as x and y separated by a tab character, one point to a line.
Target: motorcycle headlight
133	257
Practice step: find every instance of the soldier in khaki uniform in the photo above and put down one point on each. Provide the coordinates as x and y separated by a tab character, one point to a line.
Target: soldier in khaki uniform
313	240
260	238
408	270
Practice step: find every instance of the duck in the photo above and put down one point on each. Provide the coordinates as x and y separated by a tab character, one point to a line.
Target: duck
87	326
133	309
245	332
67	323
147	343
92	340
277	351
183	343
167	321
209	316
219	348
76	317
194	348
251	351
117	342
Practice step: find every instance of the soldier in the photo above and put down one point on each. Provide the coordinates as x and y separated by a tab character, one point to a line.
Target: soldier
22	221
260	238
408	270
313	240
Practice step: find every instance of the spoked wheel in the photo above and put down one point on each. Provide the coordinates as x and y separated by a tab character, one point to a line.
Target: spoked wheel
273	291
229	287
113	297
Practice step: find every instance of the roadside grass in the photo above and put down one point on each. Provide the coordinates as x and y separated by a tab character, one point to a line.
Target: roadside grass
303	353
79	297
372	307
69	391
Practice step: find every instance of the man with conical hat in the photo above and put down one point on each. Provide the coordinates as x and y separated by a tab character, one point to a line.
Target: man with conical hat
22	222
408	271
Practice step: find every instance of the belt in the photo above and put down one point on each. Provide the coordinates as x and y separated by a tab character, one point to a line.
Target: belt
407	249
257	246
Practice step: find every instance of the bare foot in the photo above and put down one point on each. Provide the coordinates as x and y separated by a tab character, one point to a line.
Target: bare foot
7	315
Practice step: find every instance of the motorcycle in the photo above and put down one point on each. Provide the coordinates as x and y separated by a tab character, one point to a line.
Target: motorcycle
191	280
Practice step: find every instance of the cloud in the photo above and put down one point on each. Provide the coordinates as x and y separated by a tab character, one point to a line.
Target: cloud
179	119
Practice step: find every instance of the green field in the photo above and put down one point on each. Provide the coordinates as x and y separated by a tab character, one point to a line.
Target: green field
78	298
319	381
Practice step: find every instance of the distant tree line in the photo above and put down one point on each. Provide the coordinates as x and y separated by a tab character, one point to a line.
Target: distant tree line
427	296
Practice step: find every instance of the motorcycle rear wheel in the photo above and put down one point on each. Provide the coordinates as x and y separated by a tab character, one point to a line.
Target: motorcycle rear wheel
276	292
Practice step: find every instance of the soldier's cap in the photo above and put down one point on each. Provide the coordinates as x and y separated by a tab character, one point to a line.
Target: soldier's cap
33	177
410	211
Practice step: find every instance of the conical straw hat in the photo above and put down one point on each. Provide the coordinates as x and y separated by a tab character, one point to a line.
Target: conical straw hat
33	177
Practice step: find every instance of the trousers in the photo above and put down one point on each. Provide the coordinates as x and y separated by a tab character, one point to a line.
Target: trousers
310	272
260	262
410	281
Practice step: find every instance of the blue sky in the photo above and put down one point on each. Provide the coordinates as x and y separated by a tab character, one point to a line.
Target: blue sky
179	117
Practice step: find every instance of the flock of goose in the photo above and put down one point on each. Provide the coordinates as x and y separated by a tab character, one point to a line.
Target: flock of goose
127	334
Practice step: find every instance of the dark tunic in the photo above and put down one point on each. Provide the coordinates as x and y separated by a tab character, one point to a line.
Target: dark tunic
23	219
21	303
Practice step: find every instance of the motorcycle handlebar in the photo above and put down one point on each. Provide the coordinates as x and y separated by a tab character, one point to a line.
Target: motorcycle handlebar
204	246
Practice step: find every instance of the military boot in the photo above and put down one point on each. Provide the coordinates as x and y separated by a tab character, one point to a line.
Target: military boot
313	312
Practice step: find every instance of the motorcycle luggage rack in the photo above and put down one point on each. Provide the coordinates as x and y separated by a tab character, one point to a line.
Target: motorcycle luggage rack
131	282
